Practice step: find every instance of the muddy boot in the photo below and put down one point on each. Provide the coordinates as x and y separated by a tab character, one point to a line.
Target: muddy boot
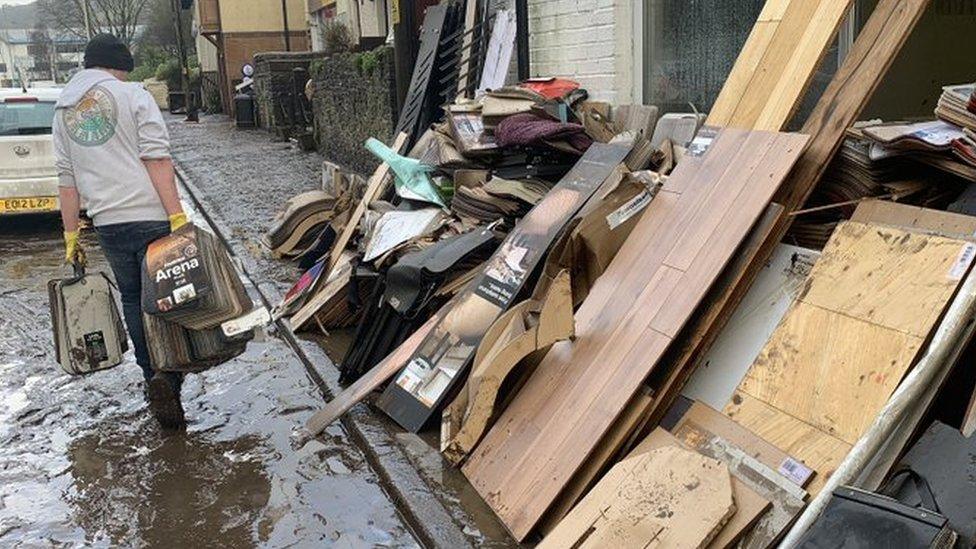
164	402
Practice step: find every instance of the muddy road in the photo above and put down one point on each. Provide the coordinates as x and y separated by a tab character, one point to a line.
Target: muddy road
83	464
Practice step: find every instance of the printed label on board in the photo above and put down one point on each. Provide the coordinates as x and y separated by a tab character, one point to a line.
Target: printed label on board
95	347
795	471
633	206
702	142
965	259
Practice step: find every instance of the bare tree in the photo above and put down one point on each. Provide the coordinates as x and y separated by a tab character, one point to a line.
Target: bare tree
119	17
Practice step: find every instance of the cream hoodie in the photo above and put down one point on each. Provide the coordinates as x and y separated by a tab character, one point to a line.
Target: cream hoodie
103	129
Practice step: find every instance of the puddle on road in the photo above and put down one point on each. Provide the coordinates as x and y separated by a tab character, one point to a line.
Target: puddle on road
82	463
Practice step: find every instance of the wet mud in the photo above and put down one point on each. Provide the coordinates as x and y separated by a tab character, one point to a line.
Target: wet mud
83	464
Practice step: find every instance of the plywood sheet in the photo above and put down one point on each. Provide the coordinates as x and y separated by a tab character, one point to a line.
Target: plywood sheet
677	250
666	497
817	450
891	277
870	303
777	62
832	371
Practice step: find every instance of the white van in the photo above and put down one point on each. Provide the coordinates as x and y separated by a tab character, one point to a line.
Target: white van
28	178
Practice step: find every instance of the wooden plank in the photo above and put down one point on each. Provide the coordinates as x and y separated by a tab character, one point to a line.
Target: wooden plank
748	62
677	497
915	217
304	314
623	326
818	32
777	63
368	383
613	442
876	47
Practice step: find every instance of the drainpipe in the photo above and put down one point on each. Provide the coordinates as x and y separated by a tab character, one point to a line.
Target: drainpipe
284	24
522	38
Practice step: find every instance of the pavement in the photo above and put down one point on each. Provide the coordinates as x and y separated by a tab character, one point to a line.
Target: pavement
238	179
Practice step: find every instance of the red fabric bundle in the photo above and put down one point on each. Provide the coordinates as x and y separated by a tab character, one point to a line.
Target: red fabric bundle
551	88
529	129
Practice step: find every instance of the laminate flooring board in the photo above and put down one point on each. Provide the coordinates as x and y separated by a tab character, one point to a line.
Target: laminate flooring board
581	388
777	63
616	345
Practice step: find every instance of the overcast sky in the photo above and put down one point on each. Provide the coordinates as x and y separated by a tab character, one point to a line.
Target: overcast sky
11	2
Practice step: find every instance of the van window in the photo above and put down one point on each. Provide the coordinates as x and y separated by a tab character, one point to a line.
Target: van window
27	118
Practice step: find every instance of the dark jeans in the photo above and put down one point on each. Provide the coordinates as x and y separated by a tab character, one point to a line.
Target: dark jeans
125	246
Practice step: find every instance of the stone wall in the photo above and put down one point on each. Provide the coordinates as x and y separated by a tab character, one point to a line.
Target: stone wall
274	86
354	99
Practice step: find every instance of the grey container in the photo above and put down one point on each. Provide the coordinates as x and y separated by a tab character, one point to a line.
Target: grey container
88	332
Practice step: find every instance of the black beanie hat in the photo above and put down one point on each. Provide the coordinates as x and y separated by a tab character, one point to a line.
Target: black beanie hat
108	52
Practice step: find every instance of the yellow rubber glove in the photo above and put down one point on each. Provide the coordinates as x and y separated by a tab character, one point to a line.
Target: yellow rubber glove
177	220
73	252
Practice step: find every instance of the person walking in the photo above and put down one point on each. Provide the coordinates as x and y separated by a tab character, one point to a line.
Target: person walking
112	154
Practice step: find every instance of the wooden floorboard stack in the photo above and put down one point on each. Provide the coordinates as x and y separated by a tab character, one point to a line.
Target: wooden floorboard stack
680	246
777	63
845	344
875	49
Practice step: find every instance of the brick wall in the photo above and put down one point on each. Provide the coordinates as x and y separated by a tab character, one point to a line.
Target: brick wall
590	41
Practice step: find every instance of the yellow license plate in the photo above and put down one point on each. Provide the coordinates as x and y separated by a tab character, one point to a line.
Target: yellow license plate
26	205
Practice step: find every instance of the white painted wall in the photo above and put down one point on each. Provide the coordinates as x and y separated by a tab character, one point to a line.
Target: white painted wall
590	41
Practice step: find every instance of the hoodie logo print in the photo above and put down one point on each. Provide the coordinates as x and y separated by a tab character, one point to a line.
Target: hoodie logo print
92	121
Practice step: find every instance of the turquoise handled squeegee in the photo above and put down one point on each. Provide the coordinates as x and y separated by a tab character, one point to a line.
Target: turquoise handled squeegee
412	179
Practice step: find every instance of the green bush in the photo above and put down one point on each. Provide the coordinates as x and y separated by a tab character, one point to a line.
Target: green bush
169	71
142	73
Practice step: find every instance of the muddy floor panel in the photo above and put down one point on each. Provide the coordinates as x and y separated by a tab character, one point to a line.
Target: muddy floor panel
82	463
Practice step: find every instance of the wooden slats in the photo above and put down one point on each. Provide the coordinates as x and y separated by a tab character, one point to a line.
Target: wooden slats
627	322
777	63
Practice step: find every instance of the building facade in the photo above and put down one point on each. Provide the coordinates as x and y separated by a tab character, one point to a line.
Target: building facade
230	32
677	54
368	21
38	56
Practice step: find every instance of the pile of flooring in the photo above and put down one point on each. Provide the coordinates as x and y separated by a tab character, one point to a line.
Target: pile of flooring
957	105
301	219
191	288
